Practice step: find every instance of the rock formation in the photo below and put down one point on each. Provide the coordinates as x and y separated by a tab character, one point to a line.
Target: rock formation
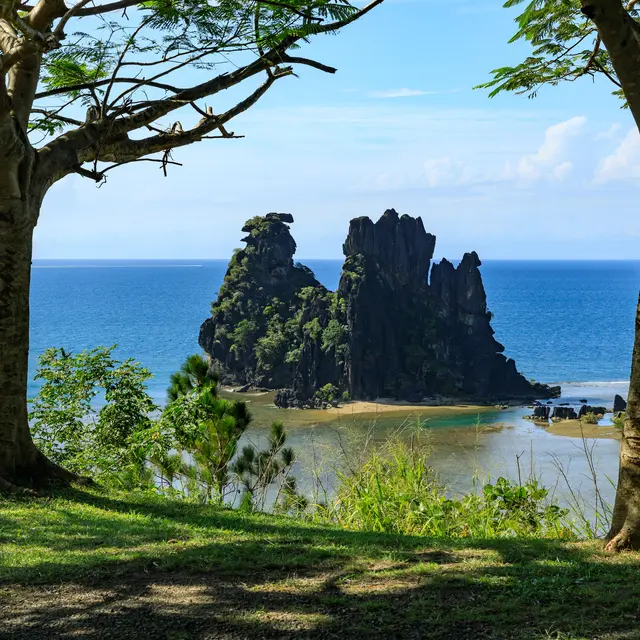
260	291
564	413
542	412
386	332
619	404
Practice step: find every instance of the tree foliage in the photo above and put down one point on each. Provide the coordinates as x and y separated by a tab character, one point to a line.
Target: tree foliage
92	412
194	373
566	47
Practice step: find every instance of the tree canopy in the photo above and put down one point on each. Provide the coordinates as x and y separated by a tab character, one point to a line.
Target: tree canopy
109	83
566	47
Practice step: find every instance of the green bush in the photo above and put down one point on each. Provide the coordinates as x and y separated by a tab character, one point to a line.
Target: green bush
328	393
70	427
396	491
333	335
618	420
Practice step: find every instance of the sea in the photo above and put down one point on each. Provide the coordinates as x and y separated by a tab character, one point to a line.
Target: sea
564	322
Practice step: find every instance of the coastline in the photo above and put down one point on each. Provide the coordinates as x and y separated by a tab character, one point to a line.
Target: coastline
456	413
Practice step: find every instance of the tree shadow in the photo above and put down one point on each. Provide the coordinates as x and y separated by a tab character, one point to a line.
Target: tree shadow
261	577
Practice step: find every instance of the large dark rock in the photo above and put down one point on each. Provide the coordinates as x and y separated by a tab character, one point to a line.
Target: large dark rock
619	404
386	332
260	294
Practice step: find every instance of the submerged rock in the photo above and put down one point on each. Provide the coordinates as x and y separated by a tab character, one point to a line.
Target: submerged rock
388	330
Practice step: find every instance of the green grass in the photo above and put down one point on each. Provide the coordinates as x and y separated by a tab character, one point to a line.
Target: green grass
89	564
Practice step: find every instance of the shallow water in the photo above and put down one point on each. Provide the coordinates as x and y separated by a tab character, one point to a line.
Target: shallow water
467	447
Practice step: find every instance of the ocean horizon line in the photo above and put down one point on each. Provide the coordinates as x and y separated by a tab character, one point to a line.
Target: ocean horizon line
101	261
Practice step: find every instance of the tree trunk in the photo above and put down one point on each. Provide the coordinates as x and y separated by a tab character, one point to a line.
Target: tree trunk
21	464
625	526
620	34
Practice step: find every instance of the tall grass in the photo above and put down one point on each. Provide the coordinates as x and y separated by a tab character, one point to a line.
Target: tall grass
395	490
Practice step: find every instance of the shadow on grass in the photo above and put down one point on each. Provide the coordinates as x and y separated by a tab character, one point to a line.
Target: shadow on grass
108	567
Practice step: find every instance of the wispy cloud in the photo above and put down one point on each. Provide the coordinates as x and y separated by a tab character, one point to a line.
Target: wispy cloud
407	93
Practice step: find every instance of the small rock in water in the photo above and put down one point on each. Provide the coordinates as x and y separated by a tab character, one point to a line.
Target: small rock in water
583	401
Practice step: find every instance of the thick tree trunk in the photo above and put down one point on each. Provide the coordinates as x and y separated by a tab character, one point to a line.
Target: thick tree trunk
620	34
21	464
625	526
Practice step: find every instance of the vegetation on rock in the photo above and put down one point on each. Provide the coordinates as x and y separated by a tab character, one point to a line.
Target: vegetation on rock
386	332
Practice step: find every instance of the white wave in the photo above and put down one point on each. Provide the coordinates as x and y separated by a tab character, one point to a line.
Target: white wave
599	383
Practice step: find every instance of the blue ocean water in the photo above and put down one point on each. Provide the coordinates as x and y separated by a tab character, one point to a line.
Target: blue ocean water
561	321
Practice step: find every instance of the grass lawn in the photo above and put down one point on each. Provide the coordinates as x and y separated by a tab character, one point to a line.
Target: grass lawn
92	565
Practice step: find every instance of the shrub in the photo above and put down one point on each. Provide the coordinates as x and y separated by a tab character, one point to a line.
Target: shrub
333	335
328	393
313	329
72	431
618	420
396	491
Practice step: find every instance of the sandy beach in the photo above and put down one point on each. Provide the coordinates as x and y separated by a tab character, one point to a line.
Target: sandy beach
389	406
577	429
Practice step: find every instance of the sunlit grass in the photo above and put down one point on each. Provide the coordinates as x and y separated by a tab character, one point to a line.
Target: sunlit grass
264	576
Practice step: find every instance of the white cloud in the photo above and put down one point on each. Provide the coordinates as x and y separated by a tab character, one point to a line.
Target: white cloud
609	133
623	163
549	160
406	93
562	171
445	172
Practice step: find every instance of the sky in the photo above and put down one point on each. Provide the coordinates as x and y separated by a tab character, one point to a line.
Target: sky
398	126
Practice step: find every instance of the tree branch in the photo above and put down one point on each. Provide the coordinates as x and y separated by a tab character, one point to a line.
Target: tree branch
620	34
107	138
100	83
307	62
44	12
56	116
59	30
107	8
592	57
125	150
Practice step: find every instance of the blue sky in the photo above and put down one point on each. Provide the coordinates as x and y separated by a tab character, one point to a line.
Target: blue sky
398	126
